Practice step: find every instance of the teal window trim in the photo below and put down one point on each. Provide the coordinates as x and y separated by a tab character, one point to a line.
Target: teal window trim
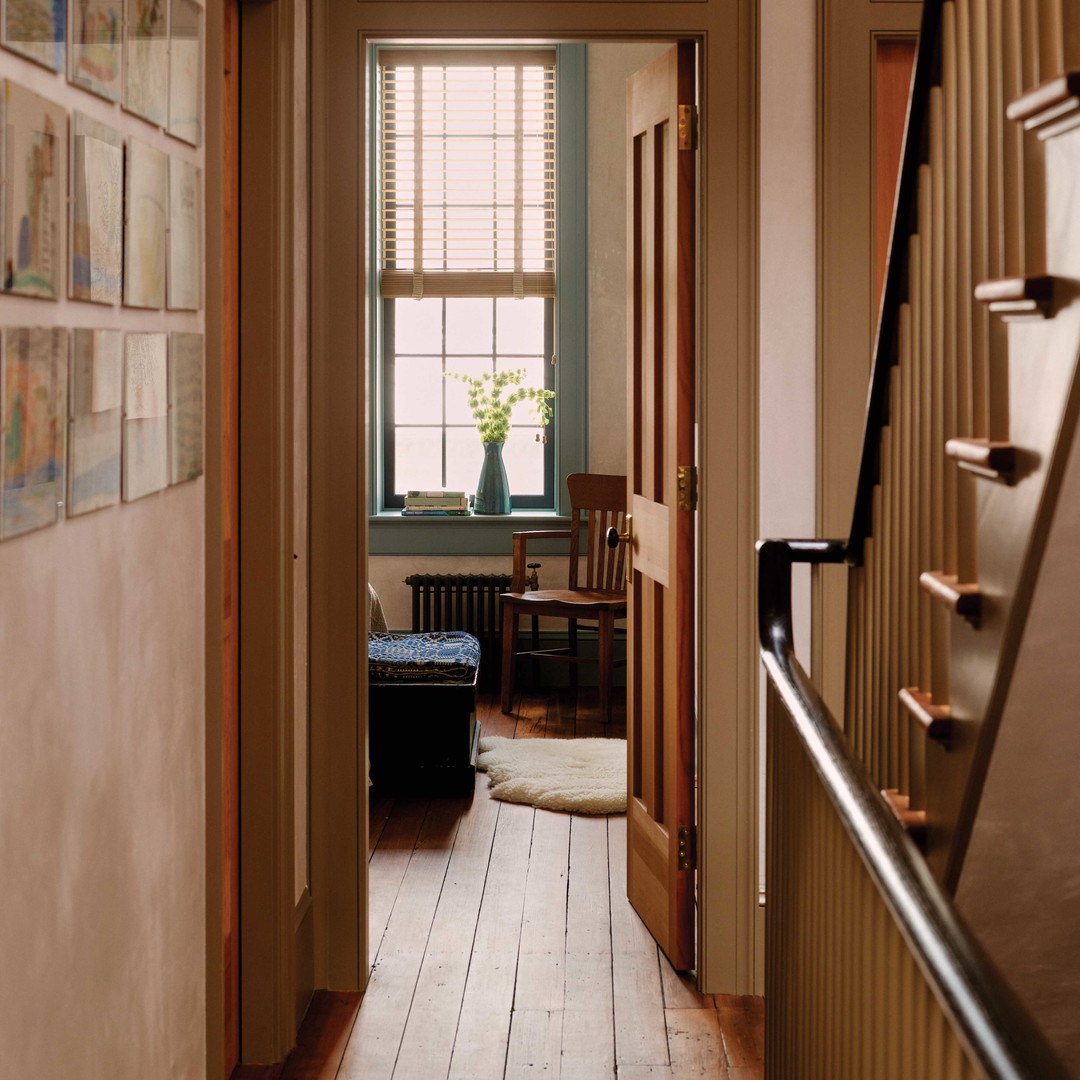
388	532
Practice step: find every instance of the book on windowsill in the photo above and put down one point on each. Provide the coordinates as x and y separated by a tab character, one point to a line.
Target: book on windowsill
435	496
411	511
416	503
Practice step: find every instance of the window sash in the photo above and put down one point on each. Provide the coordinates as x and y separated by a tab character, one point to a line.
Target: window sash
467	172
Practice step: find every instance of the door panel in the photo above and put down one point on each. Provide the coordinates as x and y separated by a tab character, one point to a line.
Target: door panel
660	700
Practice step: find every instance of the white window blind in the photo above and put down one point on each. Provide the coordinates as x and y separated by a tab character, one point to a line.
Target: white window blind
467	172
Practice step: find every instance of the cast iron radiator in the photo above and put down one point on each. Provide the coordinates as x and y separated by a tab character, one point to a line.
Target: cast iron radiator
462	602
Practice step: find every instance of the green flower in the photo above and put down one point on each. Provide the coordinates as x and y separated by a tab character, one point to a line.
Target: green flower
491	411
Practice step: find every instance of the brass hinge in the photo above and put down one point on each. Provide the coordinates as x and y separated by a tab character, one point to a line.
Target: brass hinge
687	127
687	837
687	485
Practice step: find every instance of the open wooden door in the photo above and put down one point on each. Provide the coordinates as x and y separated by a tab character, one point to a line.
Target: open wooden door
661	839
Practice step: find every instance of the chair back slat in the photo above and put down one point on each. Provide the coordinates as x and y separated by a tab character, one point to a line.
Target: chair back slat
602	498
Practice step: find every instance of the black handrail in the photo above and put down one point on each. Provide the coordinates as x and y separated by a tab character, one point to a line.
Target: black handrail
924	76
999	1034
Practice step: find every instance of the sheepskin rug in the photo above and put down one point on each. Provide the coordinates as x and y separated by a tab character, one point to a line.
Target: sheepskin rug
586	776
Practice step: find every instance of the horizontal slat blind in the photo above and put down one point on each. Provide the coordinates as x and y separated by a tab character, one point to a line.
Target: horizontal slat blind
467	173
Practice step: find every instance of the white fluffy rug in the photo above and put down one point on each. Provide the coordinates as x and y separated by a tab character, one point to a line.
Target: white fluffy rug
587	776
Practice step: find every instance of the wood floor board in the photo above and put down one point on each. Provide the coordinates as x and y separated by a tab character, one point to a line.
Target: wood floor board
323	1037
428	1042
373	1050
640	1026
532	712
694	1039
680	991
742	1021
380	808
484	1025
540	981
388	864
493	721
588	1025
535	1045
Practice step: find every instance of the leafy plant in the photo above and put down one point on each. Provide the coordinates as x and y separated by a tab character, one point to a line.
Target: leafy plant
491	410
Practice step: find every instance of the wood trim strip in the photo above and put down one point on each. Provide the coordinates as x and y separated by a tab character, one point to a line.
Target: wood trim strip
984	457
1040	287
962	597
935	720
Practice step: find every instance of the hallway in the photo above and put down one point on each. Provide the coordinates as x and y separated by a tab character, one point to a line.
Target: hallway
504	947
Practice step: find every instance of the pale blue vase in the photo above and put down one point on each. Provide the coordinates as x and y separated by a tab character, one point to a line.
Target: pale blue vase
492	490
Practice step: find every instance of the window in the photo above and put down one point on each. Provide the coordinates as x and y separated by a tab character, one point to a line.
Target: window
466	253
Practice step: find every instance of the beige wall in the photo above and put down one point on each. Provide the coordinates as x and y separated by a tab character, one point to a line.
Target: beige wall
102	793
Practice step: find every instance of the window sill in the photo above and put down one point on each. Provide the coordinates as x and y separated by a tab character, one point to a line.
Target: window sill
480	534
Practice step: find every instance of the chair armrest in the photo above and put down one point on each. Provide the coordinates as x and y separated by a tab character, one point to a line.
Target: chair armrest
521	540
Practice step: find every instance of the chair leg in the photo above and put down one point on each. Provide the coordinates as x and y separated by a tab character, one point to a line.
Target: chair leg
571	638
509	654
606	659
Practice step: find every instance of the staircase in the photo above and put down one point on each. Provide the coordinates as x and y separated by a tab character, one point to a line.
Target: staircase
963	644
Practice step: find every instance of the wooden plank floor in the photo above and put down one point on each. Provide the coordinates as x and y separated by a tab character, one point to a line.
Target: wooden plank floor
503	946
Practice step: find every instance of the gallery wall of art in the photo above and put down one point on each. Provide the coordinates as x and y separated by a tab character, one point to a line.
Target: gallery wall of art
101	221
102	535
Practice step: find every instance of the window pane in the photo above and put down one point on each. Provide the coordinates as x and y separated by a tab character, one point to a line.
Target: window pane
464	457
469	326
524	412
457	393
418	326
418	389
417	458
524	460
519	326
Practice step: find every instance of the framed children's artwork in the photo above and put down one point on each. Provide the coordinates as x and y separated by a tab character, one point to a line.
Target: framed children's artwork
97	212
185	406
96	46
97	389
184	280
33	425
144	231
185	70
36	174
36	29
146	60
146	419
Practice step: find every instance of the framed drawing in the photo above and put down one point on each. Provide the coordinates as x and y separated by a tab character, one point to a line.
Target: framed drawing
33	412
185	406
97	388
146	60
96	47
146	419
36	29
184	247
97	211
36	171
185	70
144	232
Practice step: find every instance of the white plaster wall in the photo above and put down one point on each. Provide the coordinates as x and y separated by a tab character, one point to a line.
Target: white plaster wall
102	786
788	288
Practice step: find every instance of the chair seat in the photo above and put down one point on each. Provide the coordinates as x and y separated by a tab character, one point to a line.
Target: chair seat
585	598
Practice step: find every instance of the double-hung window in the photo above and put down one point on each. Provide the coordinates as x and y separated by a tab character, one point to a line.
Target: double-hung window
466	253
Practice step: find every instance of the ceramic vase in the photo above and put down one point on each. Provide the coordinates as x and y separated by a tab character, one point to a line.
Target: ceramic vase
492	490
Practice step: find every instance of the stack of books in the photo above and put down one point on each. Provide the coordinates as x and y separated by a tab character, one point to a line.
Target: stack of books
436	503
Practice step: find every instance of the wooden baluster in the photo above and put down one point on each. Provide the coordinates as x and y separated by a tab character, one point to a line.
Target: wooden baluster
975	36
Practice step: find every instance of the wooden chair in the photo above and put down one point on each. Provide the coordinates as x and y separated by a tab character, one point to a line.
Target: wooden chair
596	595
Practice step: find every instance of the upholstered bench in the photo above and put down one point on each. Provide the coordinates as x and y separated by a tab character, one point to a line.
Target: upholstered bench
423	735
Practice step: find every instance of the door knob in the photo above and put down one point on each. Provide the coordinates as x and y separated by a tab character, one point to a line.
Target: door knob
615	538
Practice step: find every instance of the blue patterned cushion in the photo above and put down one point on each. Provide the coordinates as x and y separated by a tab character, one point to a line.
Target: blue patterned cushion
443	656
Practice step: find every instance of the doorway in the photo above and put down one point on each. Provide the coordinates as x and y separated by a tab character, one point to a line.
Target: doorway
339	450
726	746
